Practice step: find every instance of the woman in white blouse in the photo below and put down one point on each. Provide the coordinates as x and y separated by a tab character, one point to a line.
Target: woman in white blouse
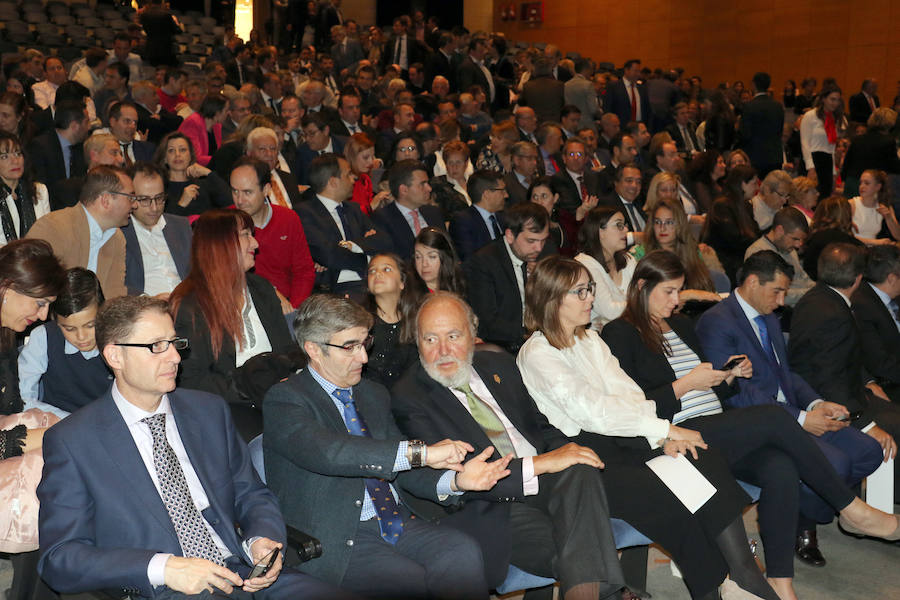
577	383
22	201
603	241
874	221
819	131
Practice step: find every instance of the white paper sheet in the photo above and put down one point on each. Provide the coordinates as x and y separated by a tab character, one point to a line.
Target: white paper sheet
880	487
686	482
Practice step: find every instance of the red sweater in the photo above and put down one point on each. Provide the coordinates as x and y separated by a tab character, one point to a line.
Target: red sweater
283	257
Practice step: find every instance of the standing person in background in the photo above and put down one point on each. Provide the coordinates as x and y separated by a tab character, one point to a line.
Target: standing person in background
819	132
762	125
160	26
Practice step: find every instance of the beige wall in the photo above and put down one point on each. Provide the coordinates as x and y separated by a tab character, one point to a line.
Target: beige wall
726	41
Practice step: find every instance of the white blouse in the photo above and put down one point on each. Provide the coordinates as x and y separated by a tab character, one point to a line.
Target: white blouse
41	208
256	340
867	220
813	137
609	297
584	388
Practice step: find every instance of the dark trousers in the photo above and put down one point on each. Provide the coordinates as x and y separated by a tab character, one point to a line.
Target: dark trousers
564	531
639	497
854	456
766	446
824	165
290	585
26	583
887	416
428	561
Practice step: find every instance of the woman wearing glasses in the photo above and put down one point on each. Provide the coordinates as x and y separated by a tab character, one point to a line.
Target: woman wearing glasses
669	230
577	383
228	314
30	279
22	200
449	190
603	240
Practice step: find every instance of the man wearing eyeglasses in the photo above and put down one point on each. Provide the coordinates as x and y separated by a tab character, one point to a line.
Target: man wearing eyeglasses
157	245
577	185
773	195
344	473
87	234
149	491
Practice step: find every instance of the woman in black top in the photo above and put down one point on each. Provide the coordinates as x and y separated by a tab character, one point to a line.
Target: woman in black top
191	188
832	223
393	305
764	444
730	227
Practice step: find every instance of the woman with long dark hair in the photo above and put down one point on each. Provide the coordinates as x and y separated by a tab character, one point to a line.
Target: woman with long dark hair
14	119
764	444
832	223
191	188
720	124
393	304
436	263
576	382
820	129
30	279
730	227
228	314
22	200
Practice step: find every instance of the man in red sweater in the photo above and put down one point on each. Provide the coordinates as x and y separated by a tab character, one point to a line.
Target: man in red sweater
283	257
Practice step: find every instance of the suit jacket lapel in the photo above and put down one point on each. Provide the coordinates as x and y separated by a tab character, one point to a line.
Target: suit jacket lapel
120	446
452	411
179	253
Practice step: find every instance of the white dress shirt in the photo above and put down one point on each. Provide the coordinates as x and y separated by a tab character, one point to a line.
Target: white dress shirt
260	340
331	206
517	271
583	388
98	238
160	272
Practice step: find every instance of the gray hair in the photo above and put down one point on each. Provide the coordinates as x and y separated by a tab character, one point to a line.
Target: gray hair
260	132
323	315
471	317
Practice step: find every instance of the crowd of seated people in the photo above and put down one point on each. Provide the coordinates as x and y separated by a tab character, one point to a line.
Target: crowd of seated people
438	282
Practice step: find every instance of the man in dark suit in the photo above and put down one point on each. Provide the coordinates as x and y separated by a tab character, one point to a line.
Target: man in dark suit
626	198
152	117
826	350
403	49
762	125
440	62
480	397
58	154
196	516
349	112
329	16
744	324
624	152
627	98
575	182
343	471
476	226
863	104
473	71
875	309
524	172
339	235
157	246
319	141
682	131
497	273
345	52
123	121
410	212
543	93
262	144
527	123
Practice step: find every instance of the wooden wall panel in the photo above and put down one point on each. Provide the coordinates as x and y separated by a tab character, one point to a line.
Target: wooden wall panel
730	41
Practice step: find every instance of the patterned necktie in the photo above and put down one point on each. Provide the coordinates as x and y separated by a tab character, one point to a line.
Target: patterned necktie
417	223
280	200
488	420
6	220
128	162
764	338
386	509
584	192
495	228
195	539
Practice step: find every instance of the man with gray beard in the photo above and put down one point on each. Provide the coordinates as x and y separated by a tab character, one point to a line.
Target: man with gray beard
549	516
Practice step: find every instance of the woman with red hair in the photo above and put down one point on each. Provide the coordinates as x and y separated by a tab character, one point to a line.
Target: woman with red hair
360	154
227	314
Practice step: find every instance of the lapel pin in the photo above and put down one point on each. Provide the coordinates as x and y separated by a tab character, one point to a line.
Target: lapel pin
496	378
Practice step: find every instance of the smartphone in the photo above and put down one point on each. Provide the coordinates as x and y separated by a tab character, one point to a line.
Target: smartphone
733	363
841	418
852	417
263	566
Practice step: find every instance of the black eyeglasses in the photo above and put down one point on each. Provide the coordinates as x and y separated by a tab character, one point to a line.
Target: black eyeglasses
351	347
131	197
160	346
583	292
146	201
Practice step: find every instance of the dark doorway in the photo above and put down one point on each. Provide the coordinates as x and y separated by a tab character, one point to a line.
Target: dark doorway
448	12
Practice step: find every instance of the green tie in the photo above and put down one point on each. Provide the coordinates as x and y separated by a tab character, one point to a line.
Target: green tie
485	416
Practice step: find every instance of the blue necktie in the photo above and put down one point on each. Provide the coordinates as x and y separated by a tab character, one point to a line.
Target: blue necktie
386	509
343	217
780	370
495	228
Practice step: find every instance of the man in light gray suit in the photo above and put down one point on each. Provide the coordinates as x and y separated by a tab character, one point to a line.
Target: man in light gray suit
580	92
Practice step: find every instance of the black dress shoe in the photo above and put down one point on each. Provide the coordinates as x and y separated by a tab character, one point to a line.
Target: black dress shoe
807	548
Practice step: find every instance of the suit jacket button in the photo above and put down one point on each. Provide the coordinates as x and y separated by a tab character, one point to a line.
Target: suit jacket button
358	503
349	542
